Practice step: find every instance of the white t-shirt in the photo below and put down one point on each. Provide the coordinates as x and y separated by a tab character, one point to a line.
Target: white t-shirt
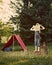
37	27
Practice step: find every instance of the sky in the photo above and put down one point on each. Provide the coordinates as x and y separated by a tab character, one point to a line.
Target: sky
5	11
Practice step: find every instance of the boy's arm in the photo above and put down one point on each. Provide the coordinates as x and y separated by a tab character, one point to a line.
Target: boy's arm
42	27
33	28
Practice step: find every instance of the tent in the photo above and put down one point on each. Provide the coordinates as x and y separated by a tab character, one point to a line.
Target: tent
10	42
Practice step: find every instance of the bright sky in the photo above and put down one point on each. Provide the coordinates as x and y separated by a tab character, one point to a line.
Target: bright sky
6	11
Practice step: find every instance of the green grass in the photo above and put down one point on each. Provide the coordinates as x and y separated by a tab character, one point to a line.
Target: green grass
19	57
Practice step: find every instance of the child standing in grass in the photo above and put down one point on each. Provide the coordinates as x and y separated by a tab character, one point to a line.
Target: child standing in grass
37	28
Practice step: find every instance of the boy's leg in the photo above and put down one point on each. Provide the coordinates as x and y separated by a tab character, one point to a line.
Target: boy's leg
38	48
35	48
38	44
35	44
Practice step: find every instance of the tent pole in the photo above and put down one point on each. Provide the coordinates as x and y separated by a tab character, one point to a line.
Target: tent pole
13	42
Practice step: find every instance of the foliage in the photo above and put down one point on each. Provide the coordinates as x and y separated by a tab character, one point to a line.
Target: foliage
18	6
5	30
31	12
1	28
40	12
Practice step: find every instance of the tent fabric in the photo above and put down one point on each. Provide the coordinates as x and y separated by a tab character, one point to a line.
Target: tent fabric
10	42
21	42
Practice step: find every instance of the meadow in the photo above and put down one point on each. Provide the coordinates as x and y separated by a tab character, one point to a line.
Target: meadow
20	57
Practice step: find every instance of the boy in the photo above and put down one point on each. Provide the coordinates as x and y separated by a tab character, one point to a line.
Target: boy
37	28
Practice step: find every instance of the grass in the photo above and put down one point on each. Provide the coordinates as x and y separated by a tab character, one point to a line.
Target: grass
19	57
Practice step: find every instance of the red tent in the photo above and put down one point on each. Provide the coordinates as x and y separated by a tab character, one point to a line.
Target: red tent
10	42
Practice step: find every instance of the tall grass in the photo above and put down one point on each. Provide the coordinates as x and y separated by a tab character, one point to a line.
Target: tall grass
17	57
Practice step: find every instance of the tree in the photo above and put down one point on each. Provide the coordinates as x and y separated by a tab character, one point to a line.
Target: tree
5	30
18	6
35	11
31	12
6	12
1	28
